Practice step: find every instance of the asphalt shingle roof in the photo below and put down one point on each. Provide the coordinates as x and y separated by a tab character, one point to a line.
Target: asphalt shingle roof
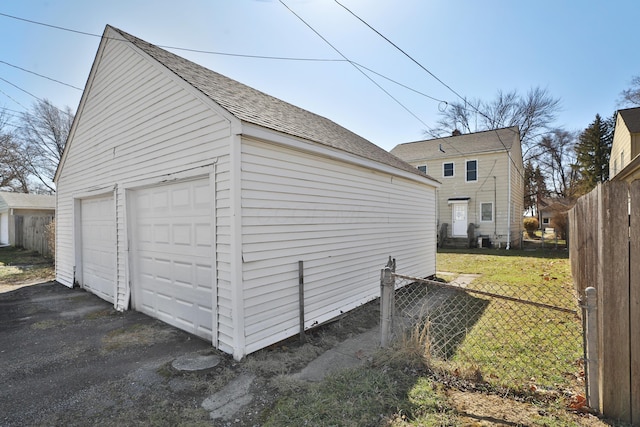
252	106
631	117
28	201
461	145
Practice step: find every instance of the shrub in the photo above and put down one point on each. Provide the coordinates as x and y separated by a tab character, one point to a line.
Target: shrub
560	223
531	225
50	230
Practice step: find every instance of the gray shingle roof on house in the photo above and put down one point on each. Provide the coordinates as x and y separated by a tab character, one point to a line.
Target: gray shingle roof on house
461	145
28	201
252	106
631	117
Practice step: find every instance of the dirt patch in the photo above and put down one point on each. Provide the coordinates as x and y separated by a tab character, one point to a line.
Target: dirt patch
486	409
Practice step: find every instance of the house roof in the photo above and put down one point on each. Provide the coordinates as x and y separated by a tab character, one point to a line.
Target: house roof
631	117
460	145
255	107
28	201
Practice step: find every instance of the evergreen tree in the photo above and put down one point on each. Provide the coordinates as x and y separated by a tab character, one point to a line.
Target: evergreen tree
592	153
535	188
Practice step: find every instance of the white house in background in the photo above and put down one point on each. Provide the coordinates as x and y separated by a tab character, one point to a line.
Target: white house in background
17	209
482	179
192	198
624	162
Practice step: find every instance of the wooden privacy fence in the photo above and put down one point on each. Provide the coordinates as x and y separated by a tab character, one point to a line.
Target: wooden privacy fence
32	232
604	227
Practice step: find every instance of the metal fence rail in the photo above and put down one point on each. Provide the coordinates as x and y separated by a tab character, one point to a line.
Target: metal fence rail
521	342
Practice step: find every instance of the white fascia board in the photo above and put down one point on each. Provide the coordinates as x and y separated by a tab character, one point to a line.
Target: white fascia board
264	134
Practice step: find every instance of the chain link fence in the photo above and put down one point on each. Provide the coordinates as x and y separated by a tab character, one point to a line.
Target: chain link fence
524	339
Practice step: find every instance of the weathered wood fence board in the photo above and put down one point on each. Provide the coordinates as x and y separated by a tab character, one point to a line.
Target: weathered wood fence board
634	297
31	233
605	254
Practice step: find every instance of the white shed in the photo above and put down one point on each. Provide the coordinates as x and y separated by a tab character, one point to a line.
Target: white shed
192	198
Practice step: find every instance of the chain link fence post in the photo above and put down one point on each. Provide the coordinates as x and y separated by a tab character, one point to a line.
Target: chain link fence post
387	303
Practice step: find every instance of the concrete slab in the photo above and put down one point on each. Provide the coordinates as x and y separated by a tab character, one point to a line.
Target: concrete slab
227	402
350	353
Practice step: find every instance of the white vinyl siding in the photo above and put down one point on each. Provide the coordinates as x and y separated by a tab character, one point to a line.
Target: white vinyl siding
343	221
137	124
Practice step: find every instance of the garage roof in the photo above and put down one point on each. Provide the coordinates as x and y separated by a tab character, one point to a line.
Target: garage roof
28	201
252	106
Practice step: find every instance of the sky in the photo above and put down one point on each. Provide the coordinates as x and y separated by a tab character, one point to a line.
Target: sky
582	52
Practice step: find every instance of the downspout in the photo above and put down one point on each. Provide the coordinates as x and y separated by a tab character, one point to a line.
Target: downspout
509	206
495	207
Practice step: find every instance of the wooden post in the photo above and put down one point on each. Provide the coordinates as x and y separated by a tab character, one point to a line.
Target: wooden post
387	303
613	302
591	345
301	297
634	298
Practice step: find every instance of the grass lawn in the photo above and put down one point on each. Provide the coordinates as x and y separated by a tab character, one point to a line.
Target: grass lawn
19	267
515	345
401	387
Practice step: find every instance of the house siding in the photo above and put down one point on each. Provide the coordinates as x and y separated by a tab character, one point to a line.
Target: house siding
138	127
486	189
621	143
341	220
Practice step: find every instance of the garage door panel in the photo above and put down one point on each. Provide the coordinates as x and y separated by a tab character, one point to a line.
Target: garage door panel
97	246
173	255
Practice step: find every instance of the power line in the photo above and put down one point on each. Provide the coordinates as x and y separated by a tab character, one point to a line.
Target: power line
40	75
29	93
399	84
209	52
398	47
353	64
429	72
13	99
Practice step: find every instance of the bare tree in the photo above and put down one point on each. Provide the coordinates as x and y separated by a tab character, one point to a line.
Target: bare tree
558	162
43	134
13	174
631	97
533	113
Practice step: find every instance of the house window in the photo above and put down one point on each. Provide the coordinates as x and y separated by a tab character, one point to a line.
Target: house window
447	169
622	160
423	168
472	170
545	221
486	212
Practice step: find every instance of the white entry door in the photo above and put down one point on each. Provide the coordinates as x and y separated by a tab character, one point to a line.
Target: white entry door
173	254
459	221
98	246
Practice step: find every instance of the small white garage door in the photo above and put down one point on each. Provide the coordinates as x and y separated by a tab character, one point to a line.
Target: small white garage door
173	255
4	228
98	237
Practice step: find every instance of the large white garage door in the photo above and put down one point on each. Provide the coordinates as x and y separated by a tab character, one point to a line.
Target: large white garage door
98	237
173	254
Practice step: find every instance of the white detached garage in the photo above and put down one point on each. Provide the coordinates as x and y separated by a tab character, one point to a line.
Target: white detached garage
191	197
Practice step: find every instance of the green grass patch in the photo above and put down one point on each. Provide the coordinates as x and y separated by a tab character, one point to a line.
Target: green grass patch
365	396
515	345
